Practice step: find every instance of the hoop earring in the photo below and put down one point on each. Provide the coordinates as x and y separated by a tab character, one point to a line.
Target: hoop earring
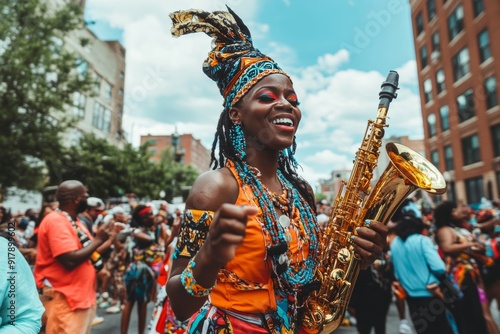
238	140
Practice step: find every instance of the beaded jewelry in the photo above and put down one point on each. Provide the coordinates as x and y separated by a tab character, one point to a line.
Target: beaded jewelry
290	278
238	140
190	285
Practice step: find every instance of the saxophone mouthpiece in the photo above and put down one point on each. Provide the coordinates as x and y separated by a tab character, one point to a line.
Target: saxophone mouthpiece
389	88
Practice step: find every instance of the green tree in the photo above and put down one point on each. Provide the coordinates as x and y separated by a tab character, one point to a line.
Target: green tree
177	178
108	171
37	82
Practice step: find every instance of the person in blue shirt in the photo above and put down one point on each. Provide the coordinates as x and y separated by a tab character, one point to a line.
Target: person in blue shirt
417	265
20	307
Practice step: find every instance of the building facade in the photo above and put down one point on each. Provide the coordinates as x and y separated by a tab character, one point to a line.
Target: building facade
457	46
191	151
100	111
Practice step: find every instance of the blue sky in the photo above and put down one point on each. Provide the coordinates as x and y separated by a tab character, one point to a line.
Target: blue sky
337	52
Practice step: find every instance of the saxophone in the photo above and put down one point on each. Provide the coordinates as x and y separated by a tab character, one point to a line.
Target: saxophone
357	201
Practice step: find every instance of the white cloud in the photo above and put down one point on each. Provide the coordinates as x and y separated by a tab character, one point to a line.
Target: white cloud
330	63
165	86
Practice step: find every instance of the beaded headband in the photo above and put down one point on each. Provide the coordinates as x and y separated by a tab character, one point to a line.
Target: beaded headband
233	63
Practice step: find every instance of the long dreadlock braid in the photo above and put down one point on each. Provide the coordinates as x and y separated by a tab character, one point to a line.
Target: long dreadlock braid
227	151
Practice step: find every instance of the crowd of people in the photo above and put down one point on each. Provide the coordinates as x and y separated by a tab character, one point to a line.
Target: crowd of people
242	256
82	255
442	263
424	245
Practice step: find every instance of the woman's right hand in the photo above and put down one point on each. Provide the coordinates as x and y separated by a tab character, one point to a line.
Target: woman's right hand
227	232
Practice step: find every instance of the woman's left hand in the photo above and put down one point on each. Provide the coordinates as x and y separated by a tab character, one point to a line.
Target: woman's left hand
370	242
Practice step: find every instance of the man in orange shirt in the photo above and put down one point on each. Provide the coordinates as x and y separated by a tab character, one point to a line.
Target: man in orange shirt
63	270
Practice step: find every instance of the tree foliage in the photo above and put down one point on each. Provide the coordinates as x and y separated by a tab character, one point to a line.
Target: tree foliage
108	171
37	82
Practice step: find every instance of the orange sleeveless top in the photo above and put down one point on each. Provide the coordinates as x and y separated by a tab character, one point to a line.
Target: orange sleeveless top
245	284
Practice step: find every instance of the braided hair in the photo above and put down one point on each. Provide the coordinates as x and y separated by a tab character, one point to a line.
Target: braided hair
286	164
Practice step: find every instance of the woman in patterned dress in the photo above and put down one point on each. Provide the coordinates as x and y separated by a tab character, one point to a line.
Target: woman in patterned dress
247	248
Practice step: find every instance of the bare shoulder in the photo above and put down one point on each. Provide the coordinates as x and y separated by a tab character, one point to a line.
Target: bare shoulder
212	189
445	232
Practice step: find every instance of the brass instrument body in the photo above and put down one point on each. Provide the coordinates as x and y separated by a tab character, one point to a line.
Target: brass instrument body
339	265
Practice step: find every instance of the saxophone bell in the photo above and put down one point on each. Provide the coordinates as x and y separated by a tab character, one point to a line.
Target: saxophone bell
338	264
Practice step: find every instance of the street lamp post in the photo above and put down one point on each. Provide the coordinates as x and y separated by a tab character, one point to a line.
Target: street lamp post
178	150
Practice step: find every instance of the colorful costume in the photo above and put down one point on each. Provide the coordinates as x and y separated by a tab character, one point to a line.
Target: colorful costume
254	291
262	290
140	274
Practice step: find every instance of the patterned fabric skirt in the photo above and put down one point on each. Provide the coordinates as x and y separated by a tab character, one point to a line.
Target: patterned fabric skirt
139	279
163	320
210	319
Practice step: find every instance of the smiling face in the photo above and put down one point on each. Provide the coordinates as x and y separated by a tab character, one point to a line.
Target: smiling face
269	113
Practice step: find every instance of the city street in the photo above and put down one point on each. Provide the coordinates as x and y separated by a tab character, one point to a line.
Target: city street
111	323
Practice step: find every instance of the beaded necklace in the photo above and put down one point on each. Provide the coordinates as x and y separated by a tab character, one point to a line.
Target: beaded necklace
294	210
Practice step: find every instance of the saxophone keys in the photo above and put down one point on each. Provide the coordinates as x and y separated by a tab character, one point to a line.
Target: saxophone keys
337	274
344	255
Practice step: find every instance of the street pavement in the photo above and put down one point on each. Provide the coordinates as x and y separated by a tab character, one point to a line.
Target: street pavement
392	324
111	324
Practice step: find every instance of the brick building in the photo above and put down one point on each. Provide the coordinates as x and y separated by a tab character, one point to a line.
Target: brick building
194	153
457	46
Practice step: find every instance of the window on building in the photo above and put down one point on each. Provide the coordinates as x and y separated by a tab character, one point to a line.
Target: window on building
490	89
483	41
108	90
495	136
82	67
122	75
435	42
444	113
419	23
120	92
107	121
427	90
431	9
431	124
475	190
423	56
460	63
101	118
448	158
456	22
152	141
79	101
440	85
470	148
478	7
97	84
435	158
465	105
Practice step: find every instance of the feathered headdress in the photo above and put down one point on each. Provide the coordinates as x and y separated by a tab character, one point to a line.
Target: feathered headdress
234	63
